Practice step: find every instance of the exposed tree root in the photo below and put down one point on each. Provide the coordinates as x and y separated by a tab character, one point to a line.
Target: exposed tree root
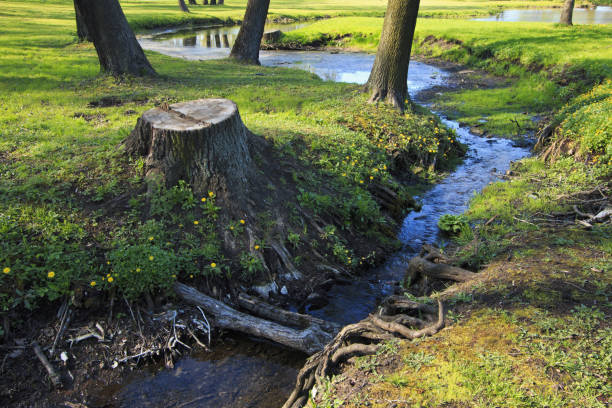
357	339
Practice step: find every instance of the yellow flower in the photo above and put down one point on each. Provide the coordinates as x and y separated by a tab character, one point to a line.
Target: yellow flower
137	269
50	274
203	199
110	279
151	238
174	276
196	222
360	181
93	283
211	194
108	262
6	270
232	227
191	276
256	247
213	265
242	221
371	177
151	257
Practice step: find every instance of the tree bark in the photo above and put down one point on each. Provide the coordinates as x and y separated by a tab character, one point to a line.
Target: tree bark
183	6
568	11
389	76
192	2
203	142
308	340
248	41
118	50
82	33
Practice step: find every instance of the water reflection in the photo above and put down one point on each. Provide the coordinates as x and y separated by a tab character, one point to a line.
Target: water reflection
598	15
201	42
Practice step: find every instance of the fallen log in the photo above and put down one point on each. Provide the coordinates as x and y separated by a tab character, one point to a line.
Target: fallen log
284	317
420	266
308	340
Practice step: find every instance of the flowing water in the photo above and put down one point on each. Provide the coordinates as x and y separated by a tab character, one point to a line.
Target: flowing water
250	373
597	15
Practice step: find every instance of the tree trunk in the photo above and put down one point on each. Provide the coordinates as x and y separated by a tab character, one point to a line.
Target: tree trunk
193	2
82	33
118	50
568	11
203	142
248	41
205	2
183	6
389	76
308	340
213	2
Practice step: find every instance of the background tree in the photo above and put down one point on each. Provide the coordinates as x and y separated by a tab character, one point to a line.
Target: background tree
246	46
568	11
183	6
118	50
192	2
80	25
389	76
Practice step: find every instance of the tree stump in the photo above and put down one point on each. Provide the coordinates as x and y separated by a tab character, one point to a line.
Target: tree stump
202	142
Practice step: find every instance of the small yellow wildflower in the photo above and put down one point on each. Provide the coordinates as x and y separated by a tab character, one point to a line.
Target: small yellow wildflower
360	181
213	265
137	269
191	276
256	247
51	275
151	257
151	238
196	222
108	262
110	279
203	199
232	227
242	222
371	177
92	283
6	270
211	194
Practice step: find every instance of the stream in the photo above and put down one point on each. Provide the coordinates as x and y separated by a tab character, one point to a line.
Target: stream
243	372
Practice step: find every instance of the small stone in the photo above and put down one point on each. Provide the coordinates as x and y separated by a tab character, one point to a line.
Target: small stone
284	291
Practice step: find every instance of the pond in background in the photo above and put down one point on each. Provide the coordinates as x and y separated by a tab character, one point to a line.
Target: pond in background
597	15
201	42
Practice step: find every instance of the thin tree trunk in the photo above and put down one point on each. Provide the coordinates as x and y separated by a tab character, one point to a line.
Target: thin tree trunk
183	6
389	76
118	50
248	41
192	2
82	33
568	11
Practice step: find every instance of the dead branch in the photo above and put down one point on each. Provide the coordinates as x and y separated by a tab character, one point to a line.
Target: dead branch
53	376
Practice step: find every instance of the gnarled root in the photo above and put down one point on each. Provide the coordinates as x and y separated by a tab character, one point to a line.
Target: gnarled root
357	339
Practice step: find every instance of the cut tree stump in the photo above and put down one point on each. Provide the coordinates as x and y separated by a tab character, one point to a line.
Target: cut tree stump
202	142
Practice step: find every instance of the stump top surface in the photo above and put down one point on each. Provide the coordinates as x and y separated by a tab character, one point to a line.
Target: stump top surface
191	115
